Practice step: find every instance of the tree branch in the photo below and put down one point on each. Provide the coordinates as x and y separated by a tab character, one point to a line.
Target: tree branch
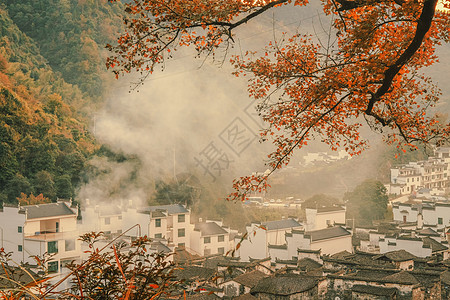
423	25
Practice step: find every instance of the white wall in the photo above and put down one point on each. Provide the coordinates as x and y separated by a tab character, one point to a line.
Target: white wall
10	220
334	245
255	246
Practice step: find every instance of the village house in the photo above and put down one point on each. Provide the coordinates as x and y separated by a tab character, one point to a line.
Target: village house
169	222
329	241
210	237
33	230
431	174
101	218
423	213
241	284
324	217
255	244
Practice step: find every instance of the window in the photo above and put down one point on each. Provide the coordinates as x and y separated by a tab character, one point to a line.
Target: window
69	245
221	238
52	247
19	229
207	251
207	240
120	217
181	232
19	248
107	221
440	221
157	222
52	266
181	245
158	235
181	218
221	250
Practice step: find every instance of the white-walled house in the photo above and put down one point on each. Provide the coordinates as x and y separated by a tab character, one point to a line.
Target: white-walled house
432	174
323	217
209	238
105	218
425	213
261	235
418	246
328	240
37	229
170	222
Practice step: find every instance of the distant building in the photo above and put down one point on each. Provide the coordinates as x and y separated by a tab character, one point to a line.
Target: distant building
432	174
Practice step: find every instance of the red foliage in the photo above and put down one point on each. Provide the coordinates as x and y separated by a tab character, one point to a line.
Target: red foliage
322	94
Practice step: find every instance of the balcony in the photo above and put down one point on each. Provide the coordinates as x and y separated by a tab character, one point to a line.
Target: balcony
52	236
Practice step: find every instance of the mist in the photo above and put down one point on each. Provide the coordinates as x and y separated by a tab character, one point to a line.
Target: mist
183	118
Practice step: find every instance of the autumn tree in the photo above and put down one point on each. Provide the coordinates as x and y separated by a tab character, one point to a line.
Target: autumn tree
304	89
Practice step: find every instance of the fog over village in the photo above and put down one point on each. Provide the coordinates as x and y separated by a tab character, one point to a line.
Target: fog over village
135	187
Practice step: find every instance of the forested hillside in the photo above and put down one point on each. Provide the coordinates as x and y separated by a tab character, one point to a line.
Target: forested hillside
51	75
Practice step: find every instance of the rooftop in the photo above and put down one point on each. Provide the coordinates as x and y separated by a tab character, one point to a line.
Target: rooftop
327	233
210	228
250	279
281	224
284	285
374	290
48	210
171	209
397	255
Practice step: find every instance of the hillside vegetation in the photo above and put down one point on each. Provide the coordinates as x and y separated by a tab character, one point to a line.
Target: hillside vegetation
51	74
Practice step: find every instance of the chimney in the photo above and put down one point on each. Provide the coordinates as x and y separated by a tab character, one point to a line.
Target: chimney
419	221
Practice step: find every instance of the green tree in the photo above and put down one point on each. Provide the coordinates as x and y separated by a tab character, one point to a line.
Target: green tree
64	188
174	192
44	184
17	185
367	202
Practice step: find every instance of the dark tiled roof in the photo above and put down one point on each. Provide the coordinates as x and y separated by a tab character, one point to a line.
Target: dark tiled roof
281	224
250	279
374	290
277	246
160	247
202	296
308	264
158	214
210	228
402	277
191	273
428	231
341	255
284	285
328	233
171	209
433	244
48	210
245	297
445	277
309	251
398	255
17	277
